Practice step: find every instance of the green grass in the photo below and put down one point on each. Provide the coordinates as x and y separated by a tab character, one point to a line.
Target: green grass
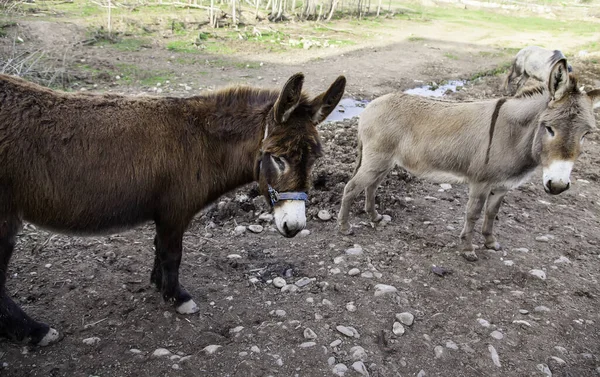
499	70
451	56
415	39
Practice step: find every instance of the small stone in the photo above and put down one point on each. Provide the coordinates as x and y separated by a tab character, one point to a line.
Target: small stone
523	311
348	331
560	349
521	250
562	259
382	289
239	230
331	361
558	360
360	367
421	373
324	215
446	186
135	350
236	329
386	218
279	282
175	366
358	353
451	345
497	335
91	341
339	369
279	362
304	233
483	322
267	217
538	273
509	263
335	343
354	272
335	271
541	308
308	344
211	349
48	265
255	349
280	313
405	318
544	369
254	228
495	357
351	307
356	250
304	281
309	334
542	239
339	259
367	274
398	329
291	288
521	322
439	351
234	256
160	352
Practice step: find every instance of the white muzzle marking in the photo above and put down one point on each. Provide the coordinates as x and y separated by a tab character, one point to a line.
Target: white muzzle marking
290	217
558	174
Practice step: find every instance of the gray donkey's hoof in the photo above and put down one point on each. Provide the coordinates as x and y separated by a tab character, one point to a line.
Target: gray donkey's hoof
345	229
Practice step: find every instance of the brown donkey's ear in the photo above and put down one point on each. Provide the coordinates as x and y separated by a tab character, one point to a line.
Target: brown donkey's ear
595	97
288	98
558	82
324	103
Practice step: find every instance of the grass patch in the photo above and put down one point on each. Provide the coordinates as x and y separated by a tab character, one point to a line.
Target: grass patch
499	70
413	38
451	56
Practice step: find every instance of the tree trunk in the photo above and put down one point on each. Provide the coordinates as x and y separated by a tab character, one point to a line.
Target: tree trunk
333	5
233	18
378	8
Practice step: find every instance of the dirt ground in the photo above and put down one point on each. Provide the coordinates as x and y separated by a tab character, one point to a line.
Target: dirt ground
99	286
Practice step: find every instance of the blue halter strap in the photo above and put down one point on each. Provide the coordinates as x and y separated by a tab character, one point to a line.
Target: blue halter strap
291	195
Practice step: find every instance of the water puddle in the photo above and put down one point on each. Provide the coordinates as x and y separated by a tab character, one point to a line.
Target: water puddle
350	107
434	90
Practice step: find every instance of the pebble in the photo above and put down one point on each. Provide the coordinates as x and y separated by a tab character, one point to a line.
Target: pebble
280	313
382	289
211	349
354	272
451	345
279	282
351	307
446	186
358	353
335	271
175	366
239	230
558	360
254	228
356	250
421	373
308	344
289	288
542	239
348	331
544	369
236	329
509	263
279	362
386	218
497	335
335	343
495	357
367	274
521	250
265	217
91	341
398	329
234	256
338	260
360	367
562	259
483	322
304	233
560	349
339	369
538	273
541	308
135	350
523	311
439	351
331	361
304	281
309	334
160	352
521	322
405	318
255	349
48	265
324	215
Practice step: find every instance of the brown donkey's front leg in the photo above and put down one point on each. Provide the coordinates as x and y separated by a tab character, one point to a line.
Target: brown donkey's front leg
15	324
165	273
492	207
477	196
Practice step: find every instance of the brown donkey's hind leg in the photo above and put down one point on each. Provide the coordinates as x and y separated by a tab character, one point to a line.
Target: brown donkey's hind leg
165	273
15	324
477	196
492	207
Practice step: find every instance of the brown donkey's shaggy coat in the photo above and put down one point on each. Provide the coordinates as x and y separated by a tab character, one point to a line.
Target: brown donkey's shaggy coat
89	164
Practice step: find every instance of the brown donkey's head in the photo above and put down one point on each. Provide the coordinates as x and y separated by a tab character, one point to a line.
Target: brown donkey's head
563	125
290	147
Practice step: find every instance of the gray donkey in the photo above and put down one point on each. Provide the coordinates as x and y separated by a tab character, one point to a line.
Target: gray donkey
493	145
532	61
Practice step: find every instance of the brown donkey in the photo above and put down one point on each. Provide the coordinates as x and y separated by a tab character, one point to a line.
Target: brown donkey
90	164
492	145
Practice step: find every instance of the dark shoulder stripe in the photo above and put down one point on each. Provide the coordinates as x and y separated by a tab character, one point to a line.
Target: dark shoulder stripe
493	127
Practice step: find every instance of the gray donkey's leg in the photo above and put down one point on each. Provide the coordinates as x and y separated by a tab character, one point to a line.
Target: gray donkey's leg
494	201
522	81
371	171
370	197
478	193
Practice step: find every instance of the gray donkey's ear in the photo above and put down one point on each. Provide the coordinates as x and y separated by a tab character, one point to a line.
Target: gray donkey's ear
559	81
595	97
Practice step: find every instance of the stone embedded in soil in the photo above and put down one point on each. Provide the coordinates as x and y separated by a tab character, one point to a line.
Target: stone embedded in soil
304	281
254	228
239	230
406	318
175	366
446	186
234	256
280	313
494	354
497	335
335	271
509	263
356	250
541	308
267	217
339	259
348	331
161	352
324	215
451	345
339	369
521	250
354	272
358	353
397	328
544	369
211	349
523	311
279	282
522	323
538	273
331	361
439	351
304	233
309	334
335	343
91	341
483	322
135	350
386	218
542	239
367	274
291	288
351	307
421	373
255	349
308	344
558	360
562	259
360	367
383	289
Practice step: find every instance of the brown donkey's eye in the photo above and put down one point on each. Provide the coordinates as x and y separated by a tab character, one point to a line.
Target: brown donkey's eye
279	161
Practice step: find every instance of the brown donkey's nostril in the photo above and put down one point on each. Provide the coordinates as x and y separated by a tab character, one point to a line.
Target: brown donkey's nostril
289	233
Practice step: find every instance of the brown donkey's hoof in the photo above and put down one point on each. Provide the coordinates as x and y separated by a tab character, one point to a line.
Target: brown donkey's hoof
470	256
